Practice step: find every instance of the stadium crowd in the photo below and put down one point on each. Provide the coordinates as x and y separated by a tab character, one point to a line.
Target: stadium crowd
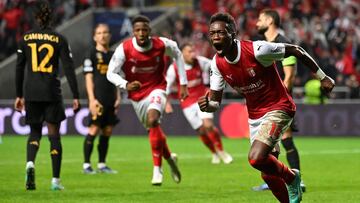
327	29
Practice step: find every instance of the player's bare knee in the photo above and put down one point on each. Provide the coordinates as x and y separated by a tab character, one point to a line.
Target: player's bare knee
152	122
93	130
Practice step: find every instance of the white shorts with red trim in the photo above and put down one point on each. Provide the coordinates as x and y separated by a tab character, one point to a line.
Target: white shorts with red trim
195	116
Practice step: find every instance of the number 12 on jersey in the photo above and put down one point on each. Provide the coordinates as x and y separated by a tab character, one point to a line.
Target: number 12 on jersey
36	67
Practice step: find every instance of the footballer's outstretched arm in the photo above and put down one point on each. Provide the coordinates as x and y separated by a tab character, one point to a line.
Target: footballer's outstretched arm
327	83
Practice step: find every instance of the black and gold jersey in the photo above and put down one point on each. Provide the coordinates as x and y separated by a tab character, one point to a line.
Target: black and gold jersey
38	53
96	63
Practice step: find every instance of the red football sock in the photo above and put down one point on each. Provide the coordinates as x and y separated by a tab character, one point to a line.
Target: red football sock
277	187
215	137
166	150
207	142
156	143
271	166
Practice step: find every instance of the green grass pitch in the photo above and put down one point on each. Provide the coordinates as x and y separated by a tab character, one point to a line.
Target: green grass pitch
330	169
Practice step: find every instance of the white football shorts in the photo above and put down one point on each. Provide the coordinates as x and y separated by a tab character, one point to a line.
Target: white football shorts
195	116
269	128
155	100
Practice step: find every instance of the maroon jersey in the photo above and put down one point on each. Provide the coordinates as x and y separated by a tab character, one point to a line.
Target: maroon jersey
260	85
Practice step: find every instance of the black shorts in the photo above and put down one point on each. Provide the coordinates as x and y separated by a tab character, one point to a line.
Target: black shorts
293	126
38	112
107	118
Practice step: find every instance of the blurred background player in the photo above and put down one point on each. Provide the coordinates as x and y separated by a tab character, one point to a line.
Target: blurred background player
268	26
249	68
104	100
138	66
39	51
196	68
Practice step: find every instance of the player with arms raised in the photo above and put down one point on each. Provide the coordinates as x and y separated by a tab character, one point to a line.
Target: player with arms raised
249	68
138	65
196	68
39	51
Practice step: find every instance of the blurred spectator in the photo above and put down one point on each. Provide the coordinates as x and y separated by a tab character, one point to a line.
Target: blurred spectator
313	93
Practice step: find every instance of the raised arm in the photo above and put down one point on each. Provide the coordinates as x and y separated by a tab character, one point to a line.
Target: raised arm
266	53
327	83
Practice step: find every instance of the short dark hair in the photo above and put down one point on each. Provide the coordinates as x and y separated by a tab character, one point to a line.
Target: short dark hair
274	15
227	18
186	44
140	18
42	13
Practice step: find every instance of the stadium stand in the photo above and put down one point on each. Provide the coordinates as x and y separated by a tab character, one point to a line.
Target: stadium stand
327	29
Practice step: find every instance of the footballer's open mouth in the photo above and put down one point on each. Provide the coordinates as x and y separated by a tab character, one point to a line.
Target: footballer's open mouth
218	47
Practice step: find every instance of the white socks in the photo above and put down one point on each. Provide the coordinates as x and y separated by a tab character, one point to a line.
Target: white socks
101	165
86	165
30	164
55	180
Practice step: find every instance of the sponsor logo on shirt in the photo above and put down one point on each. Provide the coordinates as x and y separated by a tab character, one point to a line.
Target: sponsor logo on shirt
149	69
253	87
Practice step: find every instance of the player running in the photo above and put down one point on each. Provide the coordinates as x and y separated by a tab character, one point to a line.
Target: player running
268	24
138	66
196	68
249	68
104	100
38	54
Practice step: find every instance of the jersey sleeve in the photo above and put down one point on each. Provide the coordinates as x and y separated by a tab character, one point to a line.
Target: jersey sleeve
170	78
69	68
217	82
88	64
172	50
205	65
267	52
20	69
114	73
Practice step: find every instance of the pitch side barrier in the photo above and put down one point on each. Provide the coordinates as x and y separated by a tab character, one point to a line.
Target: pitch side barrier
337	119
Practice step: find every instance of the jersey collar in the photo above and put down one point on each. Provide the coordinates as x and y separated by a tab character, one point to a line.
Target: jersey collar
139	48
238	53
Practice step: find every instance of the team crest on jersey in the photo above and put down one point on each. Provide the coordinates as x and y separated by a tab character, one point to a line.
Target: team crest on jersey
251	72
